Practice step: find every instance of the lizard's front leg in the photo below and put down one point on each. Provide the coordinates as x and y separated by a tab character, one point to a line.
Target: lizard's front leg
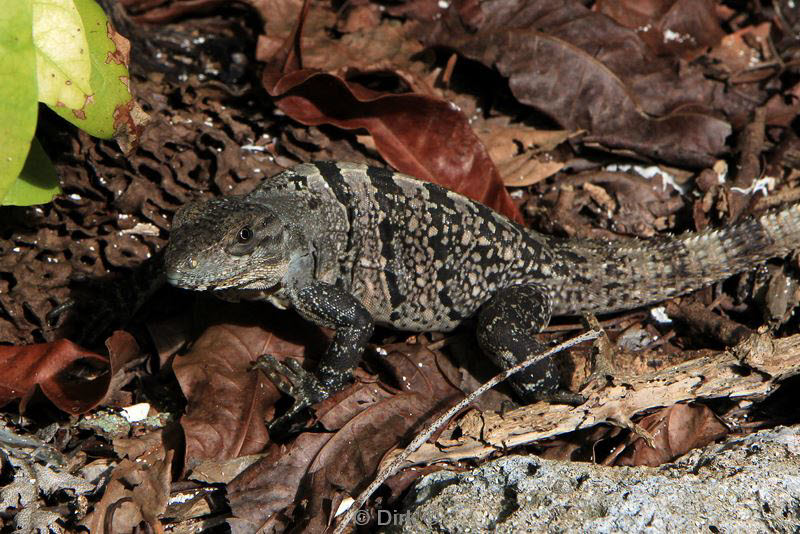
507	324
324	305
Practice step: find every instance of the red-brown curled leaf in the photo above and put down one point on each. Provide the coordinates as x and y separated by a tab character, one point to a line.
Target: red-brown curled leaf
676	430
419	135
49	366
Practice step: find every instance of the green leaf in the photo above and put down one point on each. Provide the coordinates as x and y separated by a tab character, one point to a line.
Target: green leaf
108	112
62	59
37	183
18	107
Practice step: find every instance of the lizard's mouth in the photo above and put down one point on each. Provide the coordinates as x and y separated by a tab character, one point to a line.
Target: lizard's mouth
181	280
174	279
178	279
256	289
187	278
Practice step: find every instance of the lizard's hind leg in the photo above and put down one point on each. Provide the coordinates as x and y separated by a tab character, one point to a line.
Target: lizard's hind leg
507	325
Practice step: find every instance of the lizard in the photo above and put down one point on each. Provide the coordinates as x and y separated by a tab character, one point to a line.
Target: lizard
349	246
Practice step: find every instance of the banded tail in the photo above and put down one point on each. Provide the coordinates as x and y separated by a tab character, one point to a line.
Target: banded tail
639	272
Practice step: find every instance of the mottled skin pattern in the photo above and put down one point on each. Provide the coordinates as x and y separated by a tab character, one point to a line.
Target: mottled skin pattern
349	246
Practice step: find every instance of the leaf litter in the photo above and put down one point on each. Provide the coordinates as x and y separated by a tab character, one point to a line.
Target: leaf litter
609	121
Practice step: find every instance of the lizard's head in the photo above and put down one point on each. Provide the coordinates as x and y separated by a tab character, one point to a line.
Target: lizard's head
226	243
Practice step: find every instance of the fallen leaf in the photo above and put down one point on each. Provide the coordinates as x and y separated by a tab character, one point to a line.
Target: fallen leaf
228	403
57	369
740	52
525	170
587	72
271	484
676	430
681	27
368	418
419	135
124	356
138	490
505	140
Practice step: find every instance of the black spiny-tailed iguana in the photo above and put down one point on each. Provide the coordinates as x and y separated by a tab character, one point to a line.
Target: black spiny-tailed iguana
349	246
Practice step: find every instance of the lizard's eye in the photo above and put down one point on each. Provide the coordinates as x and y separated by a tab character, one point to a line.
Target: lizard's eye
244	235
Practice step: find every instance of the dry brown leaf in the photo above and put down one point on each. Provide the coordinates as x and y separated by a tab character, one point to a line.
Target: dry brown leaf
138	489
417	134
524	170
228	403
540	46
676	430
375	417
53	367
601	197
737	52
517	149
681	27
752	370
272	484
504	140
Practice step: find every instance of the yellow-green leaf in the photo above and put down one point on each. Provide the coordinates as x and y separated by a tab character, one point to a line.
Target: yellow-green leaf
18	106
62	59
37	183
112	111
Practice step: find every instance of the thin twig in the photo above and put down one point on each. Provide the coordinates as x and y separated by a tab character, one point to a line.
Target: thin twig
606	324
421	438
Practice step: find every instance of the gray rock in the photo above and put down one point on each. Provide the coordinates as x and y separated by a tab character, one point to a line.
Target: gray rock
747	484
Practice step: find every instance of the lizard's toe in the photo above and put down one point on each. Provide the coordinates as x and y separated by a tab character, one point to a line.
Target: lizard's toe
293	380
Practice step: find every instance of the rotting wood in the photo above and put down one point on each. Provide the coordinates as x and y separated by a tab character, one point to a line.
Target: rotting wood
751	370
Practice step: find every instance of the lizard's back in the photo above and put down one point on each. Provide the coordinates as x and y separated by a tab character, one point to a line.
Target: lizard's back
420	257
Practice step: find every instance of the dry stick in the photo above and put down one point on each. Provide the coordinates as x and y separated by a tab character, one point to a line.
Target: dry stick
750	146
395	465
703	320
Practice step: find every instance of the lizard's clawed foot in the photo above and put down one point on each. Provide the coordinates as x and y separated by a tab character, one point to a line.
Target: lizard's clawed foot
291	379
